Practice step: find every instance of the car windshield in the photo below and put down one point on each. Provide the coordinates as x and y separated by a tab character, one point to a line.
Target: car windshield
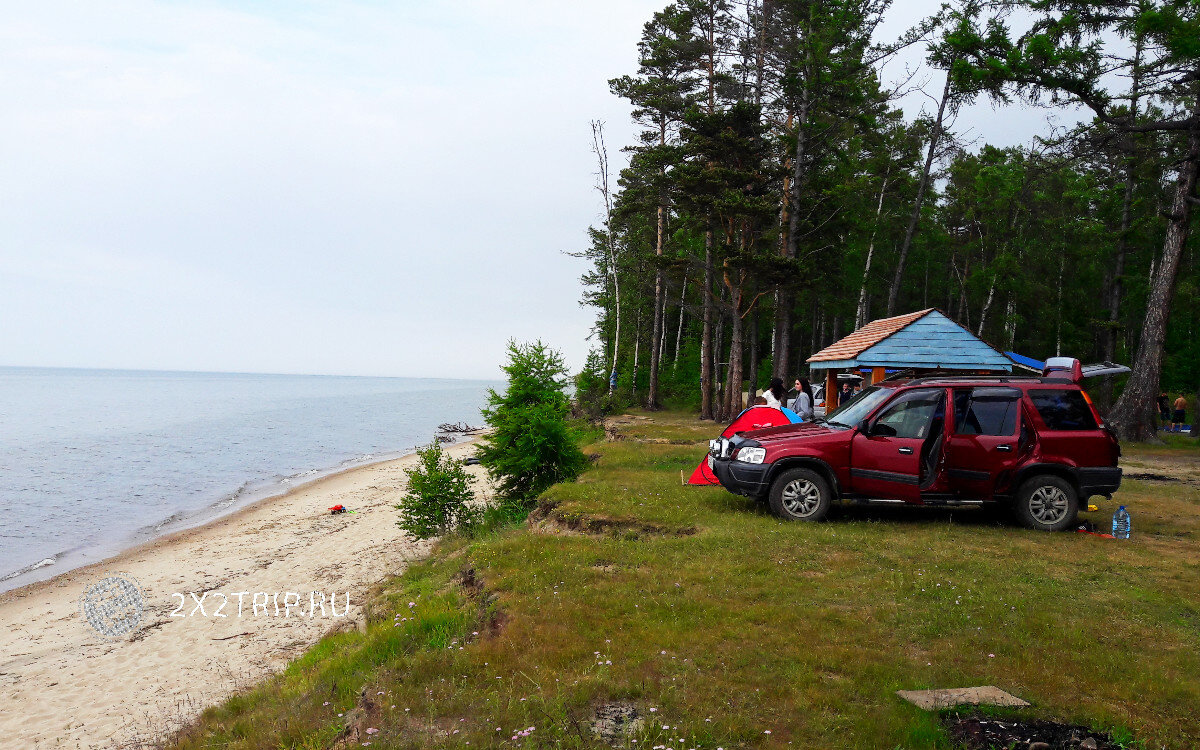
856	409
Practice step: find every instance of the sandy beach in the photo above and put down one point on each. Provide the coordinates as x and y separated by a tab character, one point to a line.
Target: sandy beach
65	685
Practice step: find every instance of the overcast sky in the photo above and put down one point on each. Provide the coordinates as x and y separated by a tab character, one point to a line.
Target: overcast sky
374	188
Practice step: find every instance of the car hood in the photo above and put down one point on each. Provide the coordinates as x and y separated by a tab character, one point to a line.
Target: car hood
789	432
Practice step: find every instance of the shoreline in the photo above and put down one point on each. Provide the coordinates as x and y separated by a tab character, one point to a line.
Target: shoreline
65	685
226	506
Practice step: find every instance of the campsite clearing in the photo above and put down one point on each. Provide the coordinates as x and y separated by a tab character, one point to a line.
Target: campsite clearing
709	622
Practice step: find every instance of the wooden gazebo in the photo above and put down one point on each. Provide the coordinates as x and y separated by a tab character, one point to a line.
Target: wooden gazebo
923	341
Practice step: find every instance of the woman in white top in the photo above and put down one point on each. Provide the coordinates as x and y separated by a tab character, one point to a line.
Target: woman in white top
775	394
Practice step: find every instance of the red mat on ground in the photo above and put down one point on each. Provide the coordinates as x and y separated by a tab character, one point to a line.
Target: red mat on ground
754	418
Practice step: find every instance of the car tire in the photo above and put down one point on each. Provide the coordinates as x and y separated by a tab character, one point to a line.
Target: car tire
1047	503
800	495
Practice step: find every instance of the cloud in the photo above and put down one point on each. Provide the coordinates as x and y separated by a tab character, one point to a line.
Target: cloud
374	188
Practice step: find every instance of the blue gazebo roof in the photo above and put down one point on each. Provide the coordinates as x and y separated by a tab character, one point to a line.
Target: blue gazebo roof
925	340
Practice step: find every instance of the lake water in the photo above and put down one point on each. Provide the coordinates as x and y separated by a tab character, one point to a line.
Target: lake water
92	461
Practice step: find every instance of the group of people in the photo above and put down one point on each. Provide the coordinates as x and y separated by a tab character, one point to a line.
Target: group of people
1178	417
800	399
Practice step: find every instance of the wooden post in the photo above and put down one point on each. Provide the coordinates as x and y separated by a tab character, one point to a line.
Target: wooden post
831	392
877	375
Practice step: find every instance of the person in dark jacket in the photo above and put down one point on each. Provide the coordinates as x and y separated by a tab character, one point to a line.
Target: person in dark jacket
1164	409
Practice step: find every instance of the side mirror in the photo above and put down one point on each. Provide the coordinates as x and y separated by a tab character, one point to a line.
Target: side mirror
865	427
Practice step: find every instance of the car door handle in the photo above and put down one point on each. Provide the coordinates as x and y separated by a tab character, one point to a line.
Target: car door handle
906	451
1005	448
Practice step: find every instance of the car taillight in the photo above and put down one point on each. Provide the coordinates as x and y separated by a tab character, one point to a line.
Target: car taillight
1095	414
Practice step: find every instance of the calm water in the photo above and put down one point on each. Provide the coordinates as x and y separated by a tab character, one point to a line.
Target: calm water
92	461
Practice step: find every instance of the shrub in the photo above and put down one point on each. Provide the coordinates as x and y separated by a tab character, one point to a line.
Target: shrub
592	401
439	496
531	445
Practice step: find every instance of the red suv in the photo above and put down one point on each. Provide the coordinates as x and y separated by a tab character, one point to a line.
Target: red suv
1034	443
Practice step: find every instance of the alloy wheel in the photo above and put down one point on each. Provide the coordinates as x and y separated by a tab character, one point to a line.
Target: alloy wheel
1048	504
801	497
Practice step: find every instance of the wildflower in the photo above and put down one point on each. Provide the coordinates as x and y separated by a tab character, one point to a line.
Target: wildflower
372	730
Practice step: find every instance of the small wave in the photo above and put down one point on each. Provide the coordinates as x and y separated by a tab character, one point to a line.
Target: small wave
30	568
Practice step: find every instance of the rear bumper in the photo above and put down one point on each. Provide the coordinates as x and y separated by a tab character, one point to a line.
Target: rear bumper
1098	480
741	478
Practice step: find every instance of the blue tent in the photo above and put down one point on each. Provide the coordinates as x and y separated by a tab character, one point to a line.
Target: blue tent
1030	362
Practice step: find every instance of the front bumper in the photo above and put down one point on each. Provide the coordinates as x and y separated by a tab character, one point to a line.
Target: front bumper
1098	480
741	478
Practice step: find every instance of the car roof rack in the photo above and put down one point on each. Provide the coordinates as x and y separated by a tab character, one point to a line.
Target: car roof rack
978	378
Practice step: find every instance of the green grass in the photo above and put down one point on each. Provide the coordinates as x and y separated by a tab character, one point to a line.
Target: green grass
731	624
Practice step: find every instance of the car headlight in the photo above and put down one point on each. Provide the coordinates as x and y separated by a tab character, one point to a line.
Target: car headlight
752	455
714	447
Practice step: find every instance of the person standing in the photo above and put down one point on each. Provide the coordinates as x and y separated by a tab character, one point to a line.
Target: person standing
793	394
1164	409
803	403
775	394
1180	415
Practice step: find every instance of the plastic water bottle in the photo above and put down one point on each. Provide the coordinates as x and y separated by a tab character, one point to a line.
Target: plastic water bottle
1121	523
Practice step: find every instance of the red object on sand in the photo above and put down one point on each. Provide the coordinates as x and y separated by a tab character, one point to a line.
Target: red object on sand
754	418
338	509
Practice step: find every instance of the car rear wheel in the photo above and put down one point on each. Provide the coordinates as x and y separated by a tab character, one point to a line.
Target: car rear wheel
1047	503
800	495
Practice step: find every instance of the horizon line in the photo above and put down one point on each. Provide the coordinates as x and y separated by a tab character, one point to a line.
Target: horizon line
237	372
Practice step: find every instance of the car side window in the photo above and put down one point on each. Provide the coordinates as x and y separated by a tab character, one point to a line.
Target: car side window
1063	409
986	411
909	416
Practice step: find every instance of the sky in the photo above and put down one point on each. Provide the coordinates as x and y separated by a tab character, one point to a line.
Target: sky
355	188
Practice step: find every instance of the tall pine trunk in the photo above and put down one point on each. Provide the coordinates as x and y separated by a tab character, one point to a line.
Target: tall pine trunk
1118	272
656	335
915	218
733	404
679	331
752	376
1132	415
795	191
706	332
860	317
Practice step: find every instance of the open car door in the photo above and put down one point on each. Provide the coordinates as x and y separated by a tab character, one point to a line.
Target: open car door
984	442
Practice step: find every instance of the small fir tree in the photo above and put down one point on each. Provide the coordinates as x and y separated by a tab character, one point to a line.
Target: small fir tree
530	446
439	497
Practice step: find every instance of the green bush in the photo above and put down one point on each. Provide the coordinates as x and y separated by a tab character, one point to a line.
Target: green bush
531	446
592	401
439	496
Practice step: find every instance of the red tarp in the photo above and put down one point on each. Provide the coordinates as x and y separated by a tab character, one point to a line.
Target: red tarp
754	418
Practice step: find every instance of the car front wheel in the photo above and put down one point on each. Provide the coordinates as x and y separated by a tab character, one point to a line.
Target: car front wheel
1047	503
800	495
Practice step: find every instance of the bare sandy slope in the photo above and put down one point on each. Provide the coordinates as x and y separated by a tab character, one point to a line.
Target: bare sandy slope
63	685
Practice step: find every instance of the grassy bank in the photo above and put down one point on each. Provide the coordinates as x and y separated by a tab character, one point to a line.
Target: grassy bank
723	627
